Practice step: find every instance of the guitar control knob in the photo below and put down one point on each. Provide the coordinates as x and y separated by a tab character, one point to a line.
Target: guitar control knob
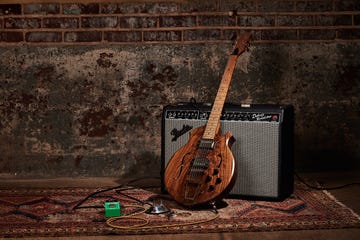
208	179
218	180
211	188
216	171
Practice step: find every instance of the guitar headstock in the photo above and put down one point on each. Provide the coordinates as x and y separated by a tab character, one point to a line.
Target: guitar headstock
242	43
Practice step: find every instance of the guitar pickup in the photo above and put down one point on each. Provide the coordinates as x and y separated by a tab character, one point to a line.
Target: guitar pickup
207	144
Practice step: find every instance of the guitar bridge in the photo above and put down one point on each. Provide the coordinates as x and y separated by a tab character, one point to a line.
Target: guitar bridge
207	144
191	191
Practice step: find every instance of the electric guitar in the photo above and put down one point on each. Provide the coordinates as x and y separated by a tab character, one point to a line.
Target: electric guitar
204	170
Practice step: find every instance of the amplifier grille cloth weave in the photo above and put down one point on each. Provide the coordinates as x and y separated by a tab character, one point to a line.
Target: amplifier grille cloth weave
256	151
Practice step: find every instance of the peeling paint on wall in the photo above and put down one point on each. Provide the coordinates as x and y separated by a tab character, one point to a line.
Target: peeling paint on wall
96	111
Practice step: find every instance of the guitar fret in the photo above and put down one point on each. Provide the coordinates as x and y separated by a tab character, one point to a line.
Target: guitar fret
212	125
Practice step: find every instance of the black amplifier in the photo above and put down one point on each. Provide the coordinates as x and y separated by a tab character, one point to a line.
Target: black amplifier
263	149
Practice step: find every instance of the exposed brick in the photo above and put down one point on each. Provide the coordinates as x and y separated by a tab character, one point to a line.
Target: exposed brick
162	36
17	23
202	34
326	17
276	6
43	36
81	8
161	7
256	21
11	37
256	35
216	21
232	34
138	22
61	22
178	21
99	22
93	36
278	34
357	19
317	34
10	9
111	8
314	6
239	6
295	20
199	6
349	34
347	5
122	36
334	20
41	8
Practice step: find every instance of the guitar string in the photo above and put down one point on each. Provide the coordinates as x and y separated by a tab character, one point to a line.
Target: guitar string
199	166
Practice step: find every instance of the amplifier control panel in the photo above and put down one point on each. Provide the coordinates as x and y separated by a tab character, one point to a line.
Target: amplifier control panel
225	116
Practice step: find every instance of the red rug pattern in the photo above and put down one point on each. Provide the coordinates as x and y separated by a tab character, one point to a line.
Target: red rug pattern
49	212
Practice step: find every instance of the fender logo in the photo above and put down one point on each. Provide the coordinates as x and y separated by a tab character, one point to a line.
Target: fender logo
178	133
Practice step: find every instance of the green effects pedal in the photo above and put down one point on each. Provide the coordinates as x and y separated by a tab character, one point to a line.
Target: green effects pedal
112	209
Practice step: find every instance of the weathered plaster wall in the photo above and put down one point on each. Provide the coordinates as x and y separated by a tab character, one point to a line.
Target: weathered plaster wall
96	110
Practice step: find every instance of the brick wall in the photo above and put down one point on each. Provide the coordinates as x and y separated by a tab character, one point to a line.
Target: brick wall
179	21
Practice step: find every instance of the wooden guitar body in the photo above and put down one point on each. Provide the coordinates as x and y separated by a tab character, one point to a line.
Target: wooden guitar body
198	175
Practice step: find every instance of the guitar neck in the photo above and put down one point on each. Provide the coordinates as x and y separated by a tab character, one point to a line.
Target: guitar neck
213	124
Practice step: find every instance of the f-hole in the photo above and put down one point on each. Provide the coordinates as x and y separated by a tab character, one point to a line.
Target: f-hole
220	162
181	166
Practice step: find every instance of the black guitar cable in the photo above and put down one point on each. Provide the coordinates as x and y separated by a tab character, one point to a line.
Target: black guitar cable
119	188
324	188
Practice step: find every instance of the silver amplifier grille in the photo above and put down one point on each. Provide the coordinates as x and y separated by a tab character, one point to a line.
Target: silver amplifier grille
256	151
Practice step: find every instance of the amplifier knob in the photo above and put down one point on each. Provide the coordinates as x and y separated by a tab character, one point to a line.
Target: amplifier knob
171	114
204	115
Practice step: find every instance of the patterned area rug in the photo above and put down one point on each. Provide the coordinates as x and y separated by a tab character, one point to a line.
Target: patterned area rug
50	212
